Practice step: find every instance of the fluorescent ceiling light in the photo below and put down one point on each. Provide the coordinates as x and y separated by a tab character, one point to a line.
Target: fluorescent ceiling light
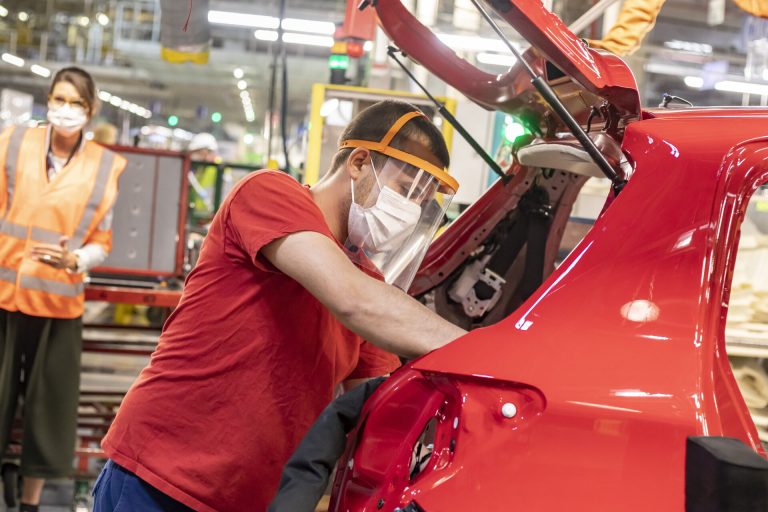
248	138
312	26
694	82
116	101
474	43
295	38
125	105
271	22
83	21
242	20
40	70
102	19
3	11
243	94
23	16
104	96
690	47
741	87
368	46
496	59
266	35
242	85
13	59
289	37
238	73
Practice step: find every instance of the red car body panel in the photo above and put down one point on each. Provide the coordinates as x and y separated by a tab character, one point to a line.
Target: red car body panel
611	364
600	73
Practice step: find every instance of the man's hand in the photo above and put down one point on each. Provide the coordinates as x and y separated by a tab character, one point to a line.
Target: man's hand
378	312
57	256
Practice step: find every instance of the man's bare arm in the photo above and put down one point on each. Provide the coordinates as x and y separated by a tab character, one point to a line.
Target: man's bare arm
378	312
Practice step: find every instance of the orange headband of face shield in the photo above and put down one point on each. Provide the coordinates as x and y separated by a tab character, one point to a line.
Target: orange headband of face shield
383	147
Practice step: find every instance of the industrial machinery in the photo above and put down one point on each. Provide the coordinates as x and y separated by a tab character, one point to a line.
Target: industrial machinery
606	386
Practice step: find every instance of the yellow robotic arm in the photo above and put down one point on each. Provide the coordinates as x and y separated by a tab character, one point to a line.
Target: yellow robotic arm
638	17
754	7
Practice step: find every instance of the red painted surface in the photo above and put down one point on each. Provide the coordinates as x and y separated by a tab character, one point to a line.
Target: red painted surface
601	73
611	364
124	295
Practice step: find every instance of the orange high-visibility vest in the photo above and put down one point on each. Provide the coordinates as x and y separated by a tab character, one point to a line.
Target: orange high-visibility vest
35	210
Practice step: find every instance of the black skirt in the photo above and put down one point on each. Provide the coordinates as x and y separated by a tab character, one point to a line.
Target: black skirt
40	372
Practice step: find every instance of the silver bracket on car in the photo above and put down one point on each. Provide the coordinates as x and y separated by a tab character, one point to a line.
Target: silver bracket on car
463	290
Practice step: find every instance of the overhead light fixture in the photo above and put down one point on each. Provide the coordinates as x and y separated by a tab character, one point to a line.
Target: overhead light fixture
238	73
102	19
83	21
690	47
694	82
266	35
12	59
242	20
294	38
242	85
115	101
271	22
40	70
104	96
496	59
312	26
368	46
244	94
3	12
23	16
741	87
248	138
125	104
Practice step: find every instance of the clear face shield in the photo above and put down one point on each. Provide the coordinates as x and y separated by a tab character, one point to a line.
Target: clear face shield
394	216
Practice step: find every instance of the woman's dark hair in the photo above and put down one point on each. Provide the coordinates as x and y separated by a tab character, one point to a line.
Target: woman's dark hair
82	81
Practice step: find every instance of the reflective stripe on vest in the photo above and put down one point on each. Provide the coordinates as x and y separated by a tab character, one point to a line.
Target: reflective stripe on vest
49	286
97	195
43	236
8	275
11	159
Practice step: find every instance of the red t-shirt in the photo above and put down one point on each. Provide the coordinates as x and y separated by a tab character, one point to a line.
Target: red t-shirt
244	365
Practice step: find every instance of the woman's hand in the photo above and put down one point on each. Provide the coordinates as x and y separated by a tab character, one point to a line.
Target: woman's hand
57	256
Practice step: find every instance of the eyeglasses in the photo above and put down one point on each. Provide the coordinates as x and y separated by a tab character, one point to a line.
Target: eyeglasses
60	101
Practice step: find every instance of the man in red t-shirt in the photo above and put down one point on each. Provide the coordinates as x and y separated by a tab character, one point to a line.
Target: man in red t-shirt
273	318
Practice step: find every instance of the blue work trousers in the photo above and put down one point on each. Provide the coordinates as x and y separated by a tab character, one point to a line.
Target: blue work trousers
119	490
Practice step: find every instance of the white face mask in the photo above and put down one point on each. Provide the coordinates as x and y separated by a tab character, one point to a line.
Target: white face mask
66	119
386	224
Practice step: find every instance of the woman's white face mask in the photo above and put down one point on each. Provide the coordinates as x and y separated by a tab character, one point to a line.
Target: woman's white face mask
386	224
67	119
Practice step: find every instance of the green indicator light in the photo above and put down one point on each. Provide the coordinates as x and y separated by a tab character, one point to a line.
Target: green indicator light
216	117
173	120
338	61
513	129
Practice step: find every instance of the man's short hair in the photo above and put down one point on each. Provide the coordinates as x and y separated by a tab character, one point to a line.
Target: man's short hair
375	121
